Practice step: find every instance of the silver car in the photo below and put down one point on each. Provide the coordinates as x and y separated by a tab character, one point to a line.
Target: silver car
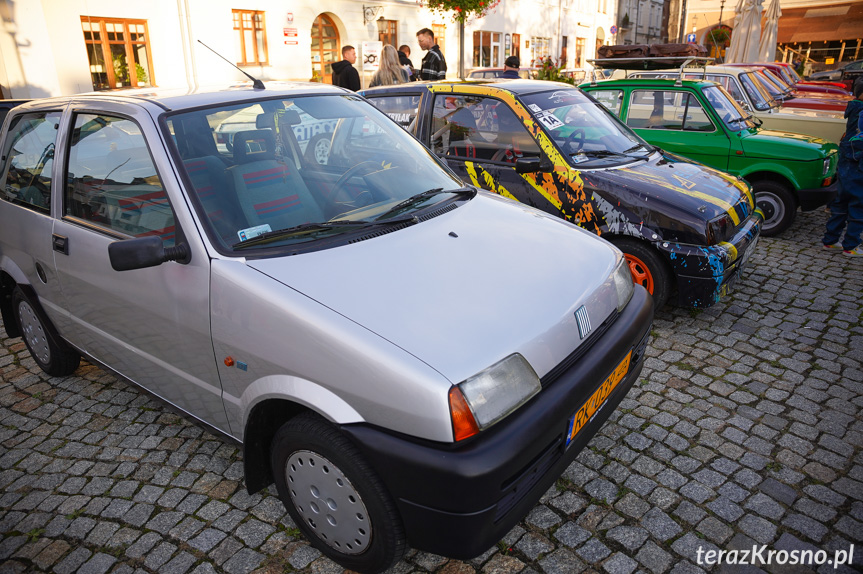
411	361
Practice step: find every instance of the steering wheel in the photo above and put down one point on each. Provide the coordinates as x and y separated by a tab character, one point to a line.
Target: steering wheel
366	167
570	140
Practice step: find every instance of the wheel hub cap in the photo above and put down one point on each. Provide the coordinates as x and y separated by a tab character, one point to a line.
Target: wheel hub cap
772	209
34	333
328	502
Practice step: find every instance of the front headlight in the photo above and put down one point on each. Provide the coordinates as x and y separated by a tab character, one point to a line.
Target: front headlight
623	284
489	396
826	167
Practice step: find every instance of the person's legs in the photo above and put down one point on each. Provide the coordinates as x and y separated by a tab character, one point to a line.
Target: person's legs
838	216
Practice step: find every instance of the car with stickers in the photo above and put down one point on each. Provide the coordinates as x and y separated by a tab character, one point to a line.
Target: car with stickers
350	323
698	119
687	230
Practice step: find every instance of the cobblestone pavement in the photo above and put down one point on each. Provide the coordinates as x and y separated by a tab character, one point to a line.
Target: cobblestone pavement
745	428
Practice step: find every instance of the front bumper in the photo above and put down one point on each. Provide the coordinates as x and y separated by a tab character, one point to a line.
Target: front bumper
814	198
705	274
459	500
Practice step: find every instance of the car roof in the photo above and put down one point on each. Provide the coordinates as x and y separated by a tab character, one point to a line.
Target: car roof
670	82
519	86
173	99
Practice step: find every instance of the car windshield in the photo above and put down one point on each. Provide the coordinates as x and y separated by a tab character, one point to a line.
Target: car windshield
774	86
586	133
280	172
793	73
758	94
726	108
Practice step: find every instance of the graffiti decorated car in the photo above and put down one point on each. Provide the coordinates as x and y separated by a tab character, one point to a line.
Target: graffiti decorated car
683	226
701	121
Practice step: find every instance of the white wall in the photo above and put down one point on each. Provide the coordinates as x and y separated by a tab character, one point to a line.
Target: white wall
42	49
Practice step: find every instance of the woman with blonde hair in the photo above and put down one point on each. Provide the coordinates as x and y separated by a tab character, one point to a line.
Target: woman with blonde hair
390	71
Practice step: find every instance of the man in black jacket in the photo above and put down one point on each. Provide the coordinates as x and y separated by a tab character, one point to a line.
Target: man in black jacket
434	64
344	73
405	60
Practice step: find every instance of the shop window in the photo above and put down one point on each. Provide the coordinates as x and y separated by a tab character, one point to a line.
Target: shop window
119	52
250	37
486	49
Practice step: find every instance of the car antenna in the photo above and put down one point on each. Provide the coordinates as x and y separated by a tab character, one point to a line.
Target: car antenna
257	84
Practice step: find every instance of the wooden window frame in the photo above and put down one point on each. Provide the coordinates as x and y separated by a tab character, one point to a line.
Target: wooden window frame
239	27
105	45
388	32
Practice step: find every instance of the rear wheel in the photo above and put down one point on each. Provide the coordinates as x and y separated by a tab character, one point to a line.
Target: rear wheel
50	352
334	497
777	204
647	269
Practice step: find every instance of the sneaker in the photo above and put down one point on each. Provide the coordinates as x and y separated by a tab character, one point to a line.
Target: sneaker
856	252
834	247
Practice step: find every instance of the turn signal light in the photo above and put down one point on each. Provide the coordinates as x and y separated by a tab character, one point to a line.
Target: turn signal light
229	361
827	182
463	423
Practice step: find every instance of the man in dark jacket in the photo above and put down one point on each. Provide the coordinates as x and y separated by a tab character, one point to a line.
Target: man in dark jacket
344	73
510	68
405	60
846	209
434	64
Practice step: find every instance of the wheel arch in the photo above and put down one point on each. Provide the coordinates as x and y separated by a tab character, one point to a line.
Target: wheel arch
782	179
8	282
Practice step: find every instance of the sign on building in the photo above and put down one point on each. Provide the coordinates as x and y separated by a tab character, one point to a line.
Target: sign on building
372	56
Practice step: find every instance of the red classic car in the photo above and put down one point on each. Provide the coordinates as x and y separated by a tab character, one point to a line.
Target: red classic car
790	98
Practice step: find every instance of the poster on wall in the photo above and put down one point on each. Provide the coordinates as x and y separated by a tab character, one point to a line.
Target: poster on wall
372	55
507	46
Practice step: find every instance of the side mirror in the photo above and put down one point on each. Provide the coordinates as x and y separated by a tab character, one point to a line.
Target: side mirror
143	252
533	165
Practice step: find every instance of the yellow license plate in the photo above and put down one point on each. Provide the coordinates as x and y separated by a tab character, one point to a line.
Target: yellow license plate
592	406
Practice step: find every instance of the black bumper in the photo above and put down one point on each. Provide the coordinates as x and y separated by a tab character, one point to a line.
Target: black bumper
459	500
814	198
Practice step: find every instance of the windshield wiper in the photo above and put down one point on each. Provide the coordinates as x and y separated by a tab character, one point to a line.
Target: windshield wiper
649	148
312	228
608	152
419	198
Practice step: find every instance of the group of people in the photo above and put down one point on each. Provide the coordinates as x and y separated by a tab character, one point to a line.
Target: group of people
395	66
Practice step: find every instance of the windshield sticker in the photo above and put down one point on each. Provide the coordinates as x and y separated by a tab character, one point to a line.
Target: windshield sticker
559	97
535	108
549	120
254	231
578	158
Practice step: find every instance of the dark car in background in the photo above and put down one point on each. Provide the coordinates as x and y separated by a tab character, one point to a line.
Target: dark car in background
682	226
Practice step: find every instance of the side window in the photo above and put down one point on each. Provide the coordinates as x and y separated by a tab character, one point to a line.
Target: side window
401	108
479	128
611	99
658	109
111	180
28	158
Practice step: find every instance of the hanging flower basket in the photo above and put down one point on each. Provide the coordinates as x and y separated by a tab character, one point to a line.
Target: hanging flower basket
461	10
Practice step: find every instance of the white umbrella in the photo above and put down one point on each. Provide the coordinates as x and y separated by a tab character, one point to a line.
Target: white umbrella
767	48
746	33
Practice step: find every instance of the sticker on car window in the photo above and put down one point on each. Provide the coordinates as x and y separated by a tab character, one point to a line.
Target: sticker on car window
251	232
549	120
578	158
534	108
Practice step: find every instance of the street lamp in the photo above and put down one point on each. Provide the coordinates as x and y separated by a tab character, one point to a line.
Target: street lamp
721	6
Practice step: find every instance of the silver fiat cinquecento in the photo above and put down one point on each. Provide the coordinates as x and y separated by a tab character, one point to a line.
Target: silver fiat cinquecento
411	361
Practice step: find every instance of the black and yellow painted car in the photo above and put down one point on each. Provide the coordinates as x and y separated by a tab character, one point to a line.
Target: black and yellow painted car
683	227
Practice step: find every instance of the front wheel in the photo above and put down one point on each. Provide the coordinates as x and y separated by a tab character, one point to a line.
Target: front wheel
50	352
777	204
334	497
647	269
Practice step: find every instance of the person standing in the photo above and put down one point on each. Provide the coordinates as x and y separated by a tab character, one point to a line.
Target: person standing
390	71
405	60
344	73
433	64
510	68
846	209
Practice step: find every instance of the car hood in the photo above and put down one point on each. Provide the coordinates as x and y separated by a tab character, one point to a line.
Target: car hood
672	194
771	144
465	289
804	113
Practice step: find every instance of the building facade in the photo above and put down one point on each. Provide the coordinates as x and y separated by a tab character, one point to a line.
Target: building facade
62	47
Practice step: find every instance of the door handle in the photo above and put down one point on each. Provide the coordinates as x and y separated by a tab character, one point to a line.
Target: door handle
60	243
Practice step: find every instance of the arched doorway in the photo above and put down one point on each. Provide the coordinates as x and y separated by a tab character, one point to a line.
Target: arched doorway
326	48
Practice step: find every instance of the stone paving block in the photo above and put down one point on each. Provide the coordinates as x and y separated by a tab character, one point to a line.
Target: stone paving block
159	555
654	558
72	561
631	505
758	528
99	564
562	561
244	561
689	512
533	545
660	525
571	534
631	537
543	517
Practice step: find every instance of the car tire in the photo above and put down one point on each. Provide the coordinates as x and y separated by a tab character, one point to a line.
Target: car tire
647	268
318	150
334	496
777	204
51	353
